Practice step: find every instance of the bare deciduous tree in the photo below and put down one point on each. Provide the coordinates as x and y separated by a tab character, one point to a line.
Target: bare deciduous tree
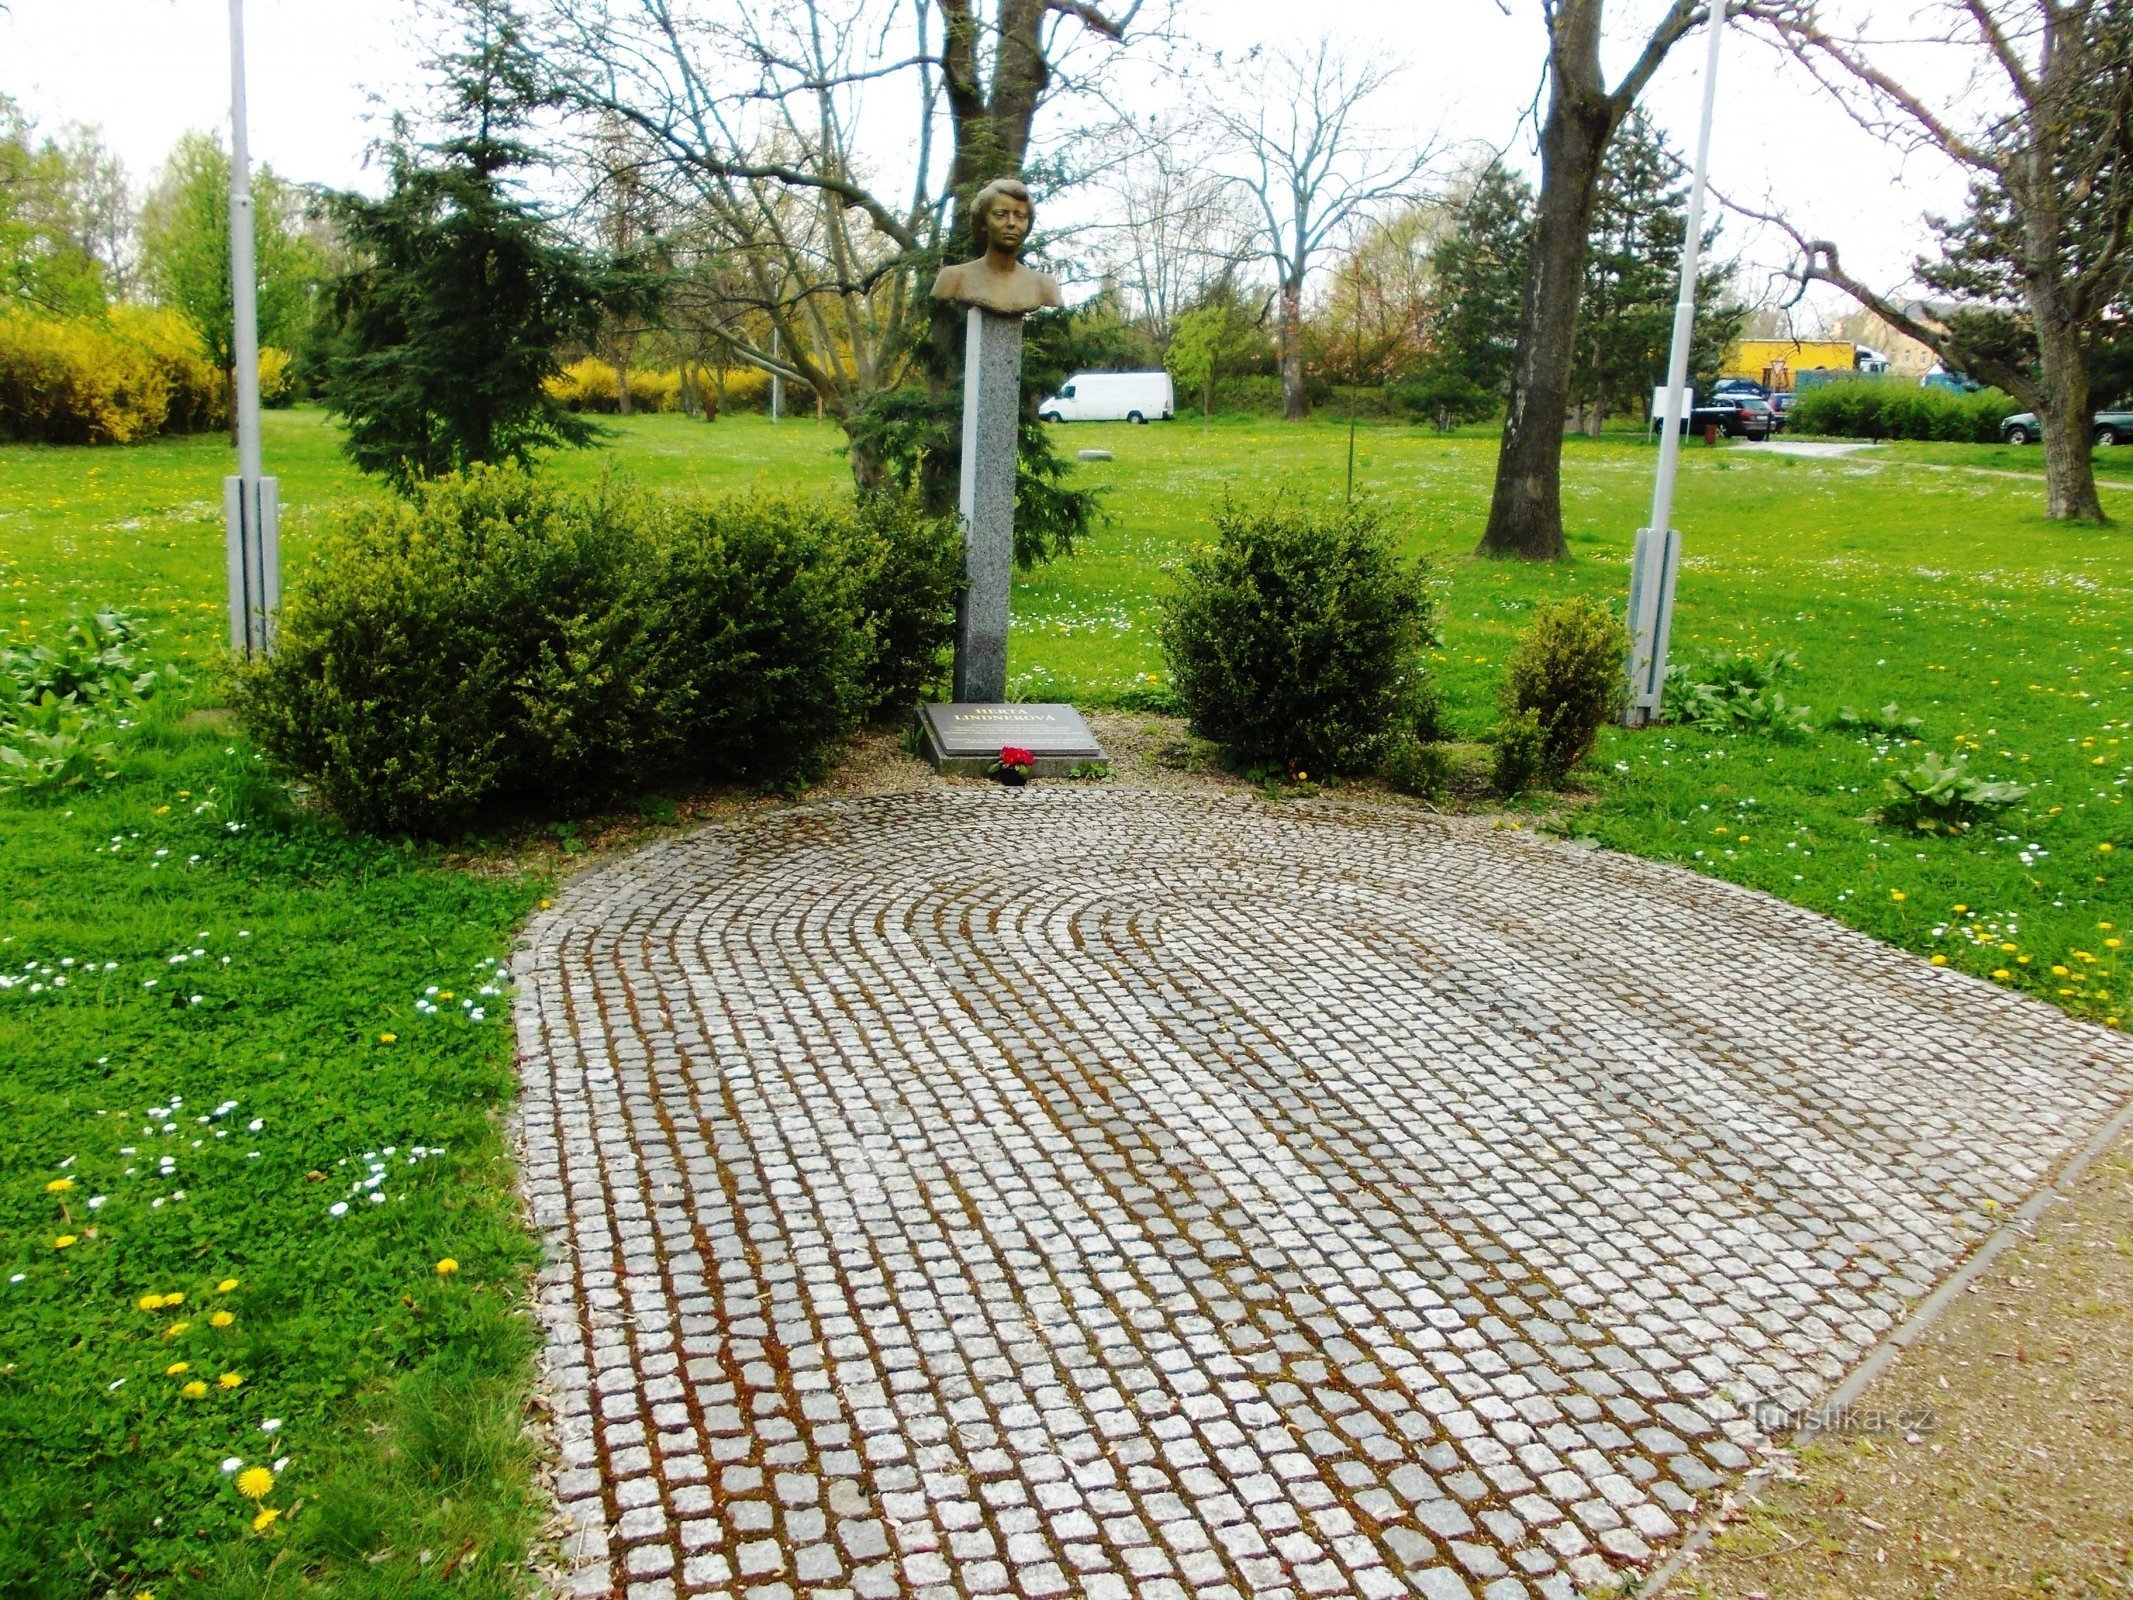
1526	508
1313	169
752	110
2043	125
1177	230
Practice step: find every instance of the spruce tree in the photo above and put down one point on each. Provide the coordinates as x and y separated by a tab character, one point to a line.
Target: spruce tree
449	327
1633	277
1480	271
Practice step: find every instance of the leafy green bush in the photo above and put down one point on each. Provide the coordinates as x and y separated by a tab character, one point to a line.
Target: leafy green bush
1413	767
1889	721
909	570
498	642
1296	638
1897	408
62	706
1521	745
1731	693
460	649
754	651
1941	796
1567	671
1443	398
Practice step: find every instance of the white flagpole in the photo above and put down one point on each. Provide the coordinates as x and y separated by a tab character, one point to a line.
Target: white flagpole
1651	582
250	498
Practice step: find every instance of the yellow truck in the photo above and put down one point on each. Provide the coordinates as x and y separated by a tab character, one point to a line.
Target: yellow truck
1779	364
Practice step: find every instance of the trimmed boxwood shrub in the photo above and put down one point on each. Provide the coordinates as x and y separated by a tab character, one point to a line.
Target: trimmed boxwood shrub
499	643
754	651
1562	682
1296	639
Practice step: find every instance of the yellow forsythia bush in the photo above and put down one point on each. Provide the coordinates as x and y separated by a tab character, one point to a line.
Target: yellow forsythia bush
747	389
277	377
105	380
589	385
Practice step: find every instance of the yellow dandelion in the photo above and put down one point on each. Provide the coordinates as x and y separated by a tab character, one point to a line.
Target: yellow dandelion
1940	961
2058	972
194	1390
255	1483
444	994
150	1302
388	1038
59	1186
265	1520
2113	944
174	1299
2002	974
229	1380
546	904
1959	910
175	1329
65	1241
447	1267
225	1286
2105	847
221	1319
177	1367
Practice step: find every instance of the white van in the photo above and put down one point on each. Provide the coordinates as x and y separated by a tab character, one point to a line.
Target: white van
1112	397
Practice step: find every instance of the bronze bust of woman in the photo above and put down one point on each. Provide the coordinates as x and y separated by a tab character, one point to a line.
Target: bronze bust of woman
1000	216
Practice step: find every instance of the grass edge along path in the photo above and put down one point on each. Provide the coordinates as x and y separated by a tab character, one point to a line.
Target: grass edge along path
265	1310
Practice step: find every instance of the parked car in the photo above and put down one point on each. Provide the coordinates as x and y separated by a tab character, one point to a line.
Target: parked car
1781	405
1742	416
1111	397
1737	416
2112	427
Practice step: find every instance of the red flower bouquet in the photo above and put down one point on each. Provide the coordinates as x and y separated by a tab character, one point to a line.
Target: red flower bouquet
1013	766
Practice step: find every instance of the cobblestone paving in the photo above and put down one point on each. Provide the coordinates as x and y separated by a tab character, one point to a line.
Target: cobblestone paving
1077	1191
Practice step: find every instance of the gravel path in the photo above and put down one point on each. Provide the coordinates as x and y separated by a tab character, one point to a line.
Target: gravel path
1110	1192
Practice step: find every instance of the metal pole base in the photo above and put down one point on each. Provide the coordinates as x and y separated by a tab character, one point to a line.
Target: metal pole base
1651	620
251	511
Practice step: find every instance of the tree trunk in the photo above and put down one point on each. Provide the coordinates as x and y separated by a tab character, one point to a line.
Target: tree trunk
1526	511
1295	404
2064	417
622	383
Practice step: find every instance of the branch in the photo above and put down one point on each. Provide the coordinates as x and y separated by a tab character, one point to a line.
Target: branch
1091	18
1820	265
1682	18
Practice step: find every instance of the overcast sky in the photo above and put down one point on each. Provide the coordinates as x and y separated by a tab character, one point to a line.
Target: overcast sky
321	72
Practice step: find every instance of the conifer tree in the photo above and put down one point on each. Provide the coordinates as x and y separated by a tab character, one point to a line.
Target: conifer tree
1633	276
450	324
1480	272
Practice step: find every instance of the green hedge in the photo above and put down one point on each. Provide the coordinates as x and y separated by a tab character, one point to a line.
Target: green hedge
500	643
1897	408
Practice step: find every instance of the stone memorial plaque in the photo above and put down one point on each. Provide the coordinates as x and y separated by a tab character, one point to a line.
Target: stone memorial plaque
963	739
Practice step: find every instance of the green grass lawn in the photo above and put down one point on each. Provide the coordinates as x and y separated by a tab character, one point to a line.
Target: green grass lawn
228	961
